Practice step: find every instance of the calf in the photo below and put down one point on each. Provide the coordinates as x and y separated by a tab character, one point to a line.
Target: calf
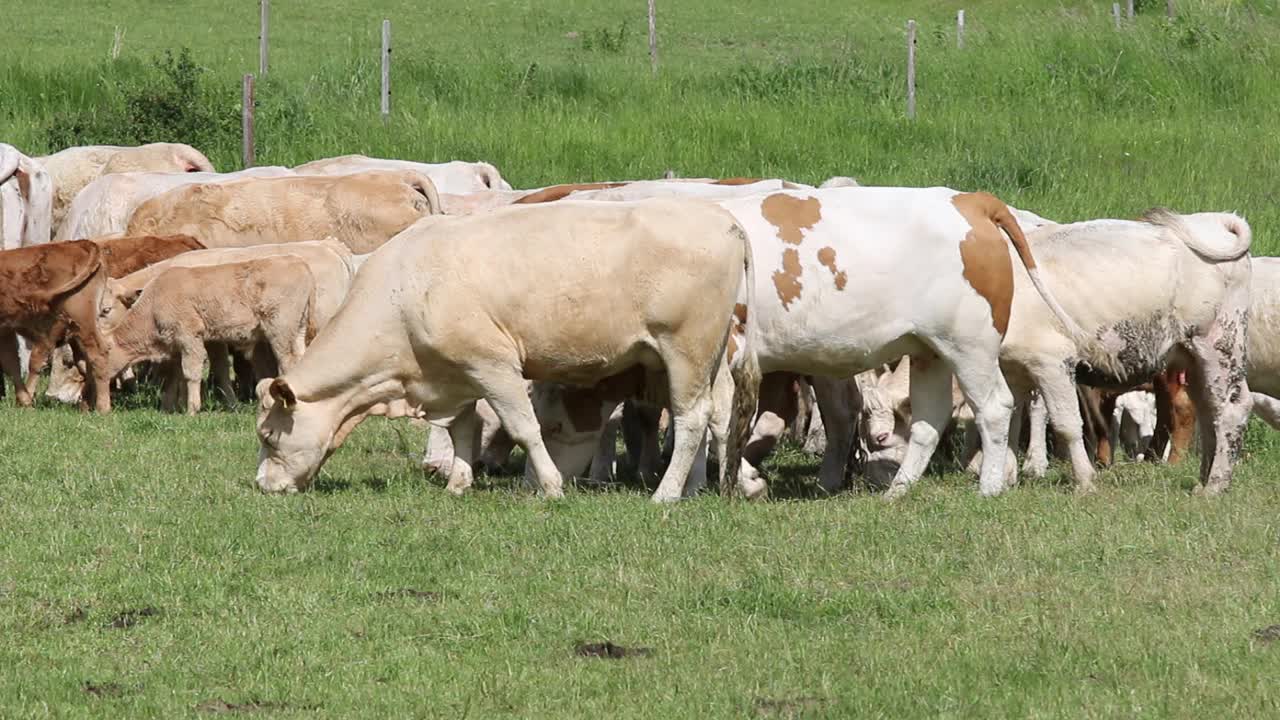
241	304
53	291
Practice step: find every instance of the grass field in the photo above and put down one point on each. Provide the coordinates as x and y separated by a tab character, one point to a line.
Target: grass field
142	574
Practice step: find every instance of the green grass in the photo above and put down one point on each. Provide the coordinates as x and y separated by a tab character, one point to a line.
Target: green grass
1140	602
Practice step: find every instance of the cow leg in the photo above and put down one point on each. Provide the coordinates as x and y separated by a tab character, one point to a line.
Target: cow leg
12	367
838	419
464	433
170	380
1182	421
816	441
602	462
1223	403
1106	417
508	395
1267	408
930	413
35	364
220	372
1063	407
640	436
193	357
689	419
246	378
438	457
495	443
1037	462
988	395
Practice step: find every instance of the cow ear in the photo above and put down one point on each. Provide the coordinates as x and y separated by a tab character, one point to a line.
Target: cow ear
281	391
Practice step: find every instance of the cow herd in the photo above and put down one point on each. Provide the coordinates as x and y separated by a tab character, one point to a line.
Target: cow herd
550	318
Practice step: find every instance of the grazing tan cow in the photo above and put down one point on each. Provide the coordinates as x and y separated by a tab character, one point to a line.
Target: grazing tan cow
241	304
363	210
453	177
51	292
458	309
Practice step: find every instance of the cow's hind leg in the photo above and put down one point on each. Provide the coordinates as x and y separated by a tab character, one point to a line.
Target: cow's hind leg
690	414
1037	462
1063	406
930	413
988	394
12	367
1223	403
833	396
1267	408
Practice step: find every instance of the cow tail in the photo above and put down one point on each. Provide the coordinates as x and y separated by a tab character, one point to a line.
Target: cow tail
745	371
999	214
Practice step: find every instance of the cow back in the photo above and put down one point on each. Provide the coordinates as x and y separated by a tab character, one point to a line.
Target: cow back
124	256
32	276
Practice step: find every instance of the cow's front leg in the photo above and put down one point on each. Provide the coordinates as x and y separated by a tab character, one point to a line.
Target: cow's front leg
508	395
464	433
193	357
1037	462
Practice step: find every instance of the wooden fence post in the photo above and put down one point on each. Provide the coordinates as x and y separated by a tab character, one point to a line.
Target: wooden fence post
386	70
960	29
1169	10
265	14
669	174
1130	9
911	69
653	37
117	43
1115	12
246	121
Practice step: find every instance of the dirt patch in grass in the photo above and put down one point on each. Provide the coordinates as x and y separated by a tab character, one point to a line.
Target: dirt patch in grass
607	649
1268	634
219	706
129	618
77	614
411	593
102	690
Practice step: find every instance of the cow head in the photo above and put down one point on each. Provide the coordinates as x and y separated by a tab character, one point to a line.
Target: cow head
886	407
295	438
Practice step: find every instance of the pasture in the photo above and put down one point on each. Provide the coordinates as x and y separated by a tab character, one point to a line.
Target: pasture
143	575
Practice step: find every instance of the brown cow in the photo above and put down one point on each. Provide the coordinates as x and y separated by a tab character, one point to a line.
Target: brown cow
53	291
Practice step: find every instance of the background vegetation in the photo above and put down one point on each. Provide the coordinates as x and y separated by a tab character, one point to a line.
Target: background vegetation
141	574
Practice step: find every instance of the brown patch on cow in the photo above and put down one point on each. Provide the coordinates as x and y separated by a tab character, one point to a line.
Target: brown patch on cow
607	649
740	312
558	192
737	181
124	256
827	256
787	280
24	183
985	255
791	215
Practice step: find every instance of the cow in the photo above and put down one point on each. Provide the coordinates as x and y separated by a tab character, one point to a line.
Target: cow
74	168
26	200
268	300
104	206
426	320
361	210
1164	290
53	291
455	177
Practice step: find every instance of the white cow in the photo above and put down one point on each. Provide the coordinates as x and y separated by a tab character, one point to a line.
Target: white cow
456	177
104	206
1168	289
26	200
426	320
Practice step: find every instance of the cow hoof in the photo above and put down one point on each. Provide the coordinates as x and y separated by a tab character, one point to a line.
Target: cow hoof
663	499
1210	490
1086	488
894	493
991	492
553	494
